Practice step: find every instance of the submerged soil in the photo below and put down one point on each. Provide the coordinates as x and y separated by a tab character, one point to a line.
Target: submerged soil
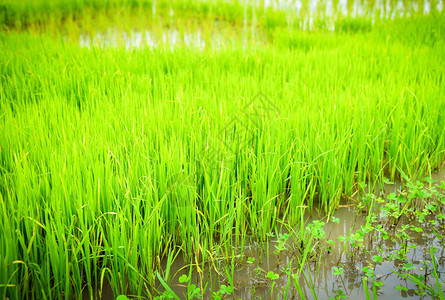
337	268
404	247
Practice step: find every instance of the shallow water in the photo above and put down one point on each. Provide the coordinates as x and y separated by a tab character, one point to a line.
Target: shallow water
387	8
136	39
250	280
299	14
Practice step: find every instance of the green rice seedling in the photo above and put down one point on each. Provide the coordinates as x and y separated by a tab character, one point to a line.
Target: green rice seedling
115	157
365	287
434	292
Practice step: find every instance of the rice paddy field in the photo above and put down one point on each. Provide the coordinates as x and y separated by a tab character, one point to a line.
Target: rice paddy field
222	149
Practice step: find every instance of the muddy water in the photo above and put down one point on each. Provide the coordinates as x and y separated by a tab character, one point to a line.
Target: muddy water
250	280
247	269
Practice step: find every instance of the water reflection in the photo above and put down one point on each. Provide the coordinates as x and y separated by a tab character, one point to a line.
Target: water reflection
387	8
250	280
302	14
135	39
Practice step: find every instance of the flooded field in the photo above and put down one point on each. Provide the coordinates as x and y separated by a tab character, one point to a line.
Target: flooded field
356	244
154	149
327	15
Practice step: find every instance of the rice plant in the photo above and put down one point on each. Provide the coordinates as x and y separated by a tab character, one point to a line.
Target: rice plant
115	157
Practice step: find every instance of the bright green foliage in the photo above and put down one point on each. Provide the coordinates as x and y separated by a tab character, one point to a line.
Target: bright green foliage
109	158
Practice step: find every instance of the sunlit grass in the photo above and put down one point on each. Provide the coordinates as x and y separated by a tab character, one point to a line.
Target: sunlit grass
112	158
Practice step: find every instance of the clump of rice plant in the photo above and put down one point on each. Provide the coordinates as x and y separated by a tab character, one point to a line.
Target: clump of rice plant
114	158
